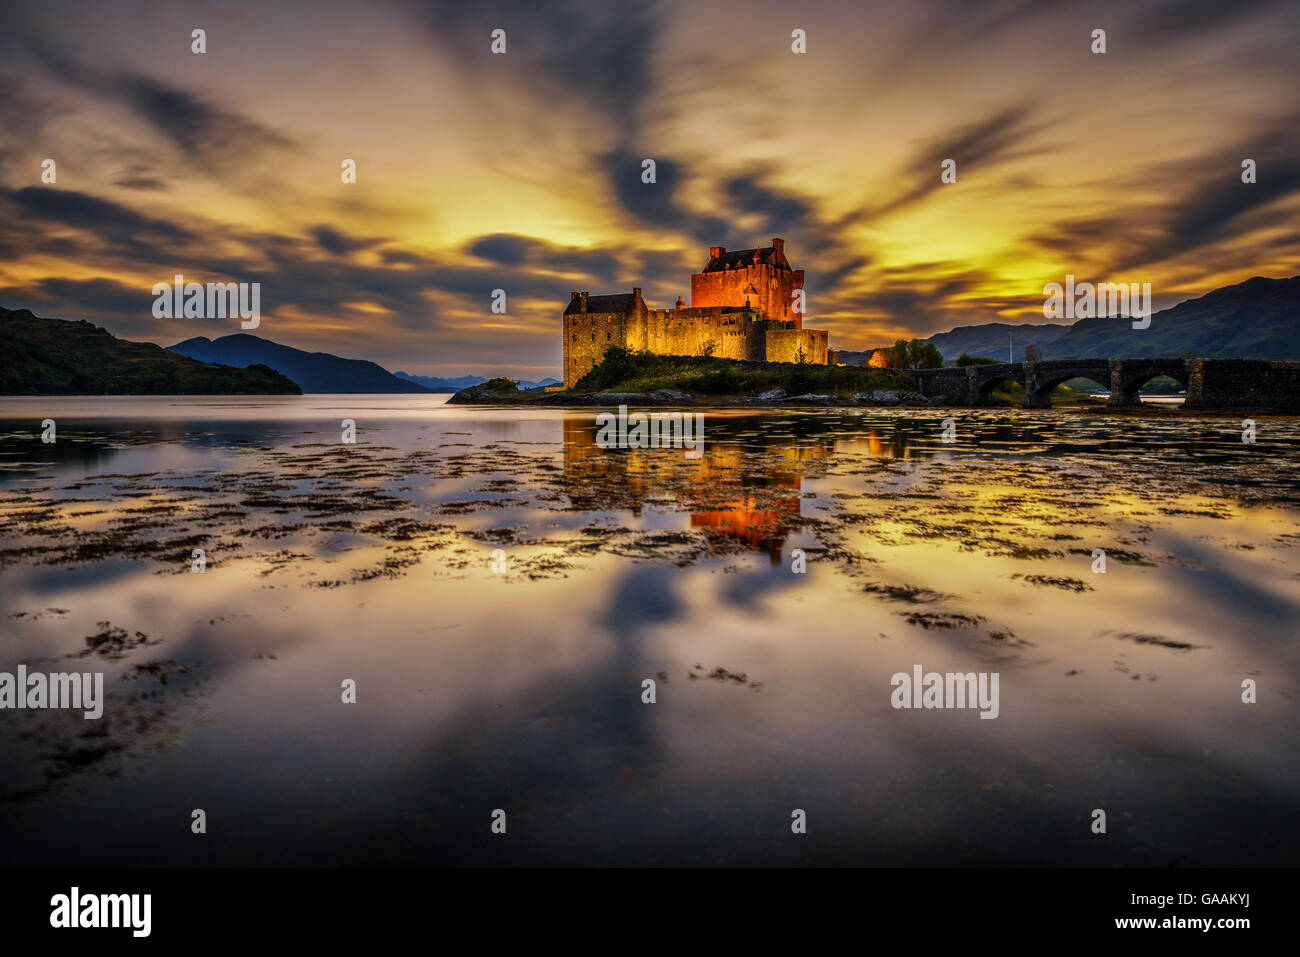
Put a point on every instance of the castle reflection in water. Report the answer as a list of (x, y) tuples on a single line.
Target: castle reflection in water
[(748, 486)]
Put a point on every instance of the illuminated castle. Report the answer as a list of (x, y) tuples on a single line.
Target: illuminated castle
[(743, 306)]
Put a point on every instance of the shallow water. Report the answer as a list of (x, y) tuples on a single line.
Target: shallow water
[(521, 689)]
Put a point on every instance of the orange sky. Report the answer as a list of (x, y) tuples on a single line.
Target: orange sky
[(522, 171)]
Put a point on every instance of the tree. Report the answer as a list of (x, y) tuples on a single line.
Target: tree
[(965, 360), (900, 356), (926, 355), (1033, 353), (915, 355)]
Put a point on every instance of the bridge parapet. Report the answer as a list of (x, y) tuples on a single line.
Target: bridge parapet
[(1209, 383)]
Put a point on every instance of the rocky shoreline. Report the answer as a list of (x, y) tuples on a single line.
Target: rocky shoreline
[(476, 395), (776, 398)]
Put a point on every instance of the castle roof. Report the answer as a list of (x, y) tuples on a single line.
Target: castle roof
[(736, 258), (618, 303)]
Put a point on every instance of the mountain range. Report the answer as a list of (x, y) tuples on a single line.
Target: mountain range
[(435, 384), (313, 371), (322, 371), (1255, 319), (40, 356)]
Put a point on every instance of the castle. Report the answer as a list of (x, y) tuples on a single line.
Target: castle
[(743, 306)]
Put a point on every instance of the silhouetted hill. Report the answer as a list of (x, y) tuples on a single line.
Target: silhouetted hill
[(992, 339), (41, 356), (989, 339), (313, 371), (1255, 319)]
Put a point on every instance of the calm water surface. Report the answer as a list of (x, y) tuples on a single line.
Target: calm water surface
[(521, 690)]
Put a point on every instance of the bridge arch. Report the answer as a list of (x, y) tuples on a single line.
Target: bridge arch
[(989, 377), (1042, 377), (1128, 376)]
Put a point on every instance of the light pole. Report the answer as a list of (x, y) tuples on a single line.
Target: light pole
[(1011, 356)]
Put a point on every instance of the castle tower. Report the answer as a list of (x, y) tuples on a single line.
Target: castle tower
[(762, 277)]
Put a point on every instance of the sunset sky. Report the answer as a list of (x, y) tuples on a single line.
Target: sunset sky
[(522, 171)]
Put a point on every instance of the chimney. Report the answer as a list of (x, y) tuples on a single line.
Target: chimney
[(681, 303), (636, 295), (584, 302), (779, 246), (716, 251)]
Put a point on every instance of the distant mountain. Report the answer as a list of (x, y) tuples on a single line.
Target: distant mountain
[(994, 338), (313, 371), (41, 356), (436, 384), (455, 384), (990, 339), (1255, 319), (527, 384)]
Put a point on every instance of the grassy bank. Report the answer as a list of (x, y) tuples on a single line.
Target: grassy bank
[(623, 371)]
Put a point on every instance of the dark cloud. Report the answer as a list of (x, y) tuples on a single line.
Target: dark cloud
[(206, 133), (747, 195), (146, 183), (102, 296), (781, 212), (111, 222), (339, 243), (504, 249), (129, 309), (512, 250), (1206, 206), (590, 52), (1216, 206), (24, 115), (976, 147), (402, 257), (657, 204), (1180, 18)]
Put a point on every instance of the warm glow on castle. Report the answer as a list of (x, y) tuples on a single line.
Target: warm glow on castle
[(745, 304)]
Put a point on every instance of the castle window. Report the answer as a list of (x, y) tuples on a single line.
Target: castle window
[(609, 337), (593, 337)]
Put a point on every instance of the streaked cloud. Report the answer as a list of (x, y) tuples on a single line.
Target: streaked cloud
[(523, 171)]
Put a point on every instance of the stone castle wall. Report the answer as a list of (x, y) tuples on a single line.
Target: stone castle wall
[(696, 332), (588, 334), (783, 345)]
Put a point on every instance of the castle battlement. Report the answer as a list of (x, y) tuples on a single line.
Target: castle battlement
[(742, 307)]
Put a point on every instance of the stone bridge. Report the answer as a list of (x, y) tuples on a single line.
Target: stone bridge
[(1210, 383)]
